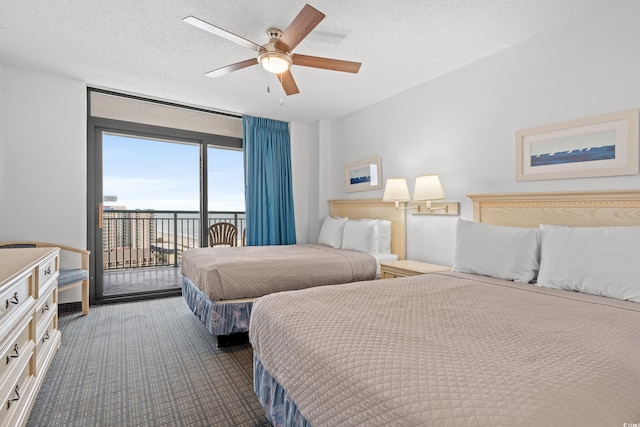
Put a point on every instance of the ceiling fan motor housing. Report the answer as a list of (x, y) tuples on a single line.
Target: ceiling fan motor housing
[(272, 58)]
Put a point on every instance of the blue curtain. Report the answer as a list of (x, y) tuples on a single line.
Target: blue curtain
[(268, 193)]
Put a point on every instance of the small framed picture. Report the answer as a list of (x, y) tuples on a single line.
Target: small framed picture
[(363, 175), (597, 146)]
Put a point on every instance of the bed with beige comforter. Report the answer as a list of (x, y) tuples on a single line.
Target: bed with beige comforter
[(225, 273), (220, 283), (443, 350)]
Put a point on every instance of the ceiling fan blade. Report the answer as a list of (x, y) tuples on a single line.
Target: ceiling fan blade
[(326, 63), (288, 83), (199, 23), (301, 25), (233, 67)]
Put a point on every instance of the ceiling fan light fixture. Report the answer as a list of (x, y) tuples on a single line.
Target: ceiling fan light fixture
[(275, 62)]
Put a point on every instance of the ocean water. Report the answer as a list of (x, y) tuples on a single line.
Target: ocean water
[(575, 156)]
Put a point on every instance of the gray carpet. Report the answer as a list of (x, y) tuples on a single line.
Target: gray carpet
[(146, 363)]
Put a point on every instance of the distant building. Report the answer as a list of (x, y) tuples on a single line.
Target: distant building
[(128, 258), (127, 238), (133, 229)]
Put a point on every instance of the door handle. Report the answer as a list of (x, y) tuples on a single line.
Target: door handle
[(100, 216)]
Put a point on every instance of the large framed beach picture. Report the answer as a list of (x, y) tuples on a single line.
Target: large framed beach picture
[(605, 145), (363, 175)]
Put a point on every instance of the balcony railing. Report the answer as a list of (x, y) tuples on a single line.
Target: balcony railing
[(151, 238)]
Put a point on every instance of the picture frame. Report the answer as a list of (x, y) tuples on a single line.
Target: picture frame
[(605, 145), (363, 175)]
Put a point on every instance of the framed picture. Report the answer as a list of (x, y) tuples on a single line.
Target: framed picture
[(597, 146), (363, 175)]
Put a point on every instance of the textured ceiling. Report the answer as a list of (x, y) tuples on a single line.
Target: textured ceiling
[(144, 48)]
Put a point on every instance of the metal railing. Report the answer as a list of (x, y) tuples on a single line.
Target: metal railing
[(151, 238)]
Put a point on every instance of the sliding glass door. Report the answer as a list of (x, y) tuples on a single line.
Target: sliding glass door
[(225, 184), (154, 194), (150, 212)]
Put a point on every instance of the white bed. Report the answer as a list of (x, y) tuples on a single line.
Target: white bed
[(220, 284), (468, 349)]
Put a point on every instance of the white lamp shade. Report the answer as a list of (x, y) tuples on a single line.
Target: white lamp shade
[(428, 187), (396, 190)]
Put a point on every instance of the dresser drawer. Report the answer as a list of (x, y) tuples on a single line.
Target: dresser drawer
[(47, 275), (17, 396), (17, 347), (47, 343), (16, 301), (45, 305)]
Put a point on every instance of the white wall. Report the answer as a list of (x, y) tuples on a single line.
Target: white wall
[(311, 183), (462, 124), (44, 176), (3, 158), (301, 149)]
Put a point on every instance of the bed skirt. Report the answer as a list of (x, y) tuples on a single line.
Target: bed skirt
[(220, 319), (278, 407)]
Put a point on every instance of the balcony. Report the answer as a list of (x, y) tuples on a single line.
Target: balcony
[(142, 249)]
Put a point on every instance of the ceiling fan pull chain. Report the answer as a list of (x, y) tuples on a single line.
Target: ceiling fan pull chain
[(281, 88)]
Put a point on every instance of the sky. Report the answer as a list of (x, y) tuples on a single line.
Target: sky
[(152, 174)]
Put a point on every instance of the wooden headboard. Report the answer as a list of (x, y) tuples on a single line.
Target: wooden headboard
[(375, 208), (579, 208)]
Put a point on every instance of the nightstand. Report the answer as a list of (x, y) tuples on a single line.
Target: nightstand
[(392, 269)]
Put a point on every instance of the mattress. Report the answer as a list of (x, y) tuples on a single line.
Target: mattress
[(224, 273), (449, 349), (380, 257)]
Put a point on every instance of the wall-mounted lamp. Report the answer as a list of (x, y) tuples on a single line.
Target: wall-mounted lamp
[(396, 190), (427, 188)]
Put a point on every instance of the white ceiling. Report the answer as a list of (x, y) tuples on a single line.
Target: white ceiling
[(143, 47)]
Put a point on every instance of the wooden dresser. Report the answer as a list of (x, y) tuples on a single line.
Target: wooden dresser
[(29, 335)]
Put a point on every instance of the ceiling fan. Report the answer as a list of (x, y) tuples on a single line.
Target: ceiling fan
[(275, 56)]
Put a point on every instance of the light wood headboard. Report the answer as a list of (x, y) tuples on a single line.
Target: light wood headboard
[(579, 208), (376, 208)]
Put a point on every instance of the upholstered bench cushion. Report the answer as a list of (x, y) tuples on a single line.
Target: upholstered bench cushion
[(68, 276)]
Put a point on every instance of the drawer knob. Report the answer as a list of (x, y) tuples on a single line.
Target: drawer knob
[(13, 300), (16, 353), (14, 399), (46, 307), (46, 336)]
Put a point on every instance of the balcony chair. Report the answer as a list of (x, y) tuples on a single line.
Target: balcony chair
[(68, 277), (223, 234)]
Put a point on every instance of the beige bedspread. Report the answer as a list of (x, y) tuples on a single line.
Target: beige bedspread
[(225, 273), (445, 349)]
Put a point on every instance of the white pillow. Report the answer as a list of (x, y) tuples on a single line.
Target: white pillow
[(384, 234), (332, 231), (509, 253), (593, 260), (361, 236)]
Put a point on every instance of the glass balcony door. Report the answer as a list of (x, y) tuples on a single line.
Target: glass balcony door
[(150, 213), (159, 174), (225, 188)]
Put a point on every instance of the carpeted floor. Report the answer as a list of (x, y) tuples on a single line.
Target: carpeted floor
[(146, 363)]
